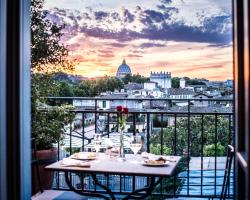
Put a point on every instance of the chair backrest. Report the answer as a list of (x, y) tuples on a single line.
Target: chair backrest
[(226, 179)]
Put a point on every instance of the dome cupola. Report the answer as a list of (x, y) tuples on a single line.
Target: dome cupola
[(123, 70)]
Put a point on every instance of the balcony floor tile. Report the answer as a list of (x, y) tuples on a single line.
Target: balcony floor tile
[(60, 195)]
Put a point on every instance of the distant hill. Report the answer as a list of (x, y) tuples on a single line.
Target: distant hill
[(70, 78)]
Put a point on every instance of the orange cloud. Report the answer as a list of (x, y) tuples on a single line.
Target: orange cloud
[(97, 58)]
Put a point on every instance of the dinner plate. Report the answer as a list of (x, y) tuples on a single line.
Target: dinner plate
[(155, 164), (83, 156)]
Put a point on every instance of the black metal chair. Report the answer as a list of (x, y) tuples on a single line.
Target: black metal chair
[(35, 162), (226, 179)]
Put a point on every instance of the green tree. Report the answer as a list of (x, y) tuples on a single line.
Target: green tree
[(195, 134), (49, 124), (84, 89), (94, 87), (48, 56), (194, 82), (195, 143), (48, 53), (136, 78), (65, 89), (175, 82)]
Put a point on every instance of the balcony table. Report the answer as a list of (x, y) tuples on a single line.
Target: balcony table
[(111, 166)]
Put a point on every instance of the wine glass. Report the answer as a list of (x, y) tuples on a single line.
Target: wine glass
[(135, 144), (97, 142)]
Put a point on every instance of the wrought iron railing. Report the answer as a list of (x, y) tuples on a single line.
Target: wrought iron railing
[(198, 133)]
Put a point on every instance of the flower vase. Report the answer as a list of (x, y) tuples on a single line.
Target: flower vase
[(122, 154)]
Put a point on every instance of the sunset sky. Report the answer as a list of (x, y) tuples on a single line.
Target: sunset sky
[(185, 37)]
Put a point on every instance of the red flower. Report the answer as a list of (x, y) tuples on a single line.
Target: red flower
[(125, 110), (119, 108)]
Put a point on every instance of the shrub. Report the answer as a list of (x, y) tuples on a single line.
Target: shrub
[(209, 150), (156, 149)]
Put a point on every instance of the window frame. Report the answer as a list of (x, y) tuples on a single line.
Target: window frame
[(15, 115)]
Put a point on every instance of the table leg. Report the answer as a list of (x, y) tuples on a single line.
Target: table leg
[(71, 187), (148, 190), (103, 186), (137, 194)]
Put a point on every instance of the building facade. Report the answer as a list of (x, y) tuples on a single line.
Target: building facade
[(201, 102), (163, 79), (182, 83), (149, 85)]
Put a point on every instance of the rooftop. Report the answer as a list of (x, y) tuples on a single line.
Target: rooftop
[(133, 86), (204, 94), (179, 91), (213, 108)]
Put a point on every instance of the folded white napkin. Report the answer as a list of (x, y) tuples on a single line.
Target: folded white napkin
[(151, 156), (67, 162)]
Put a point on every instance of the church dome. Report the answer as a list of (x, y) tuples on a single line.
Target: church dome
[(123, 70)]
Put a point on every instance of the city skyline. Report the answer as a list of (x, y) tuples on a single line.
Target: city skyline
[(184, 37)]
